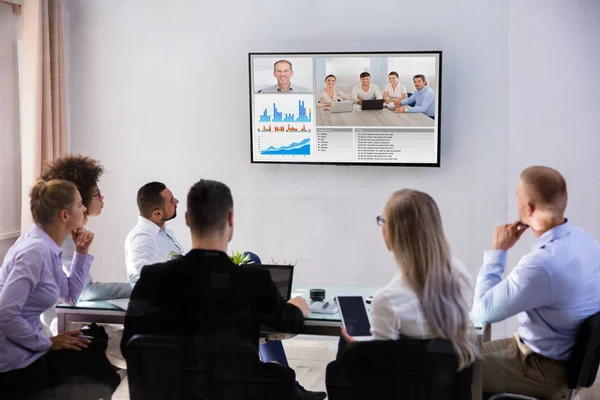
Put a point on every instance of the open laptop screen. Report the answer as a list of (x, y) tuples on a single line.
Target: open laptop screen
[(282, 275)]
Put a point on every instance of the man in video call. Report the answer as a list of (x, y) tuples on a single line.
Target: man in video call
[(421, 101), (366, 90), (283, 71), (204, 294)]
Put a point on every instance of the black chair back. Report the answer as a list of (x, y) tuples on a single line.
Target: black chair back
[(582, 366), (407, 369), (182, 368)]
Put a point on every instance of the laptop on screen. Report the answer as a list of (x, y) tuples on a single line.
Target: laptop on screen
[(282, 275), (372, 104), (341, 106)]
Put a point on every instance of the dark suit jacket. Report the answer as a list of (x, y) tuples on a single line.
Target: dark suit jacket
[(205, 293)]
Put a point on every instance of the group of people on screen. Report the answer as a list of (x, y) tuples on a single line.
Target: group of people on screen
[(201, 292), (394, 94)]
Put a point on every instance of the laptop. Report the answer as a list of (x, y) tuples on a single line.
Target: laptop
[(372, 104), (341, 106), (282, 275)]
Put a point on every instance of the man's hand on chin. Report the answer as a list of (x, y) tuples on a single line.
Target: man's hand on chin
[(507, 235)]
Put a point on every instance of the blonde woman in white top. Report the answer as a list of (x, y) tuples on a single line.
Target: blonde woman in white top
[(430, 295), (394, 91), (330, 94)]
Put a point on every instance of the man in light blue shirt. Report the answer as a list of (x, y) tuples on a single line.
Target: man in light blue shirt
[(552, 290), (421, 101)]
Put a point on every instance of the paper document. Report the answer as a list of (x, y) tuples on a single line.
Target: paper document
[(324, 307)]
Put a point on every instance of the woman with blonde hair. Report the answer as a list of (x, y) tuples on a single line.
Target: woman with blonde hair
[(32, 280), (430, 295)]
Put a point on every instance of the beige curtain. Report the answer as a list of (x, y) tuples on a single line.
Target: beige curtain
[(43, 113)]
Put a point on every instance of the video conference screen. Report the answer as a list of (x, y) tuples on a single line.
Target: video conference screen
[(346, 108)]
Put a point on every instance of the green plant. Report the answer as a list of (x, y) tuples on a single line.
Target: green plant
[(239, 258)]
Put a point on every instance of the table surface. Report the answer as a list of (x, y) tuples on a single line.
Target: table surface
[(370, 118), (329, 323), (297, 290)]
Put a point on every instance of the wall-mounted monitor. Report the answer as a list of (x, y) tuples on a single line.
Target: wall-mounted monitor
[(374, 108)]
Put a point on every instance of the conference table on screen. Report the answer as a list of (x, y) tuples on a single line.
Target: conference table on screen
[(315, 324), (371, 118)]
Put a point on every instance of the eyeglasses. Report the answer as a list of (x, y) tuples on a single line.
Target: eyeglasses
[(97, 194), (380, 220)]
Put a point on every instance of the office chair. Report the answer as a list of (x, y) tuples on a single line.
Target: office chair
[(582, 366), (182, 368), (407, 369)]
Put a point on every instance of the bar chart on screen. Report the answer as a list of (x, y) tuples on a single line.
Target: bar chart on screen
[(284, 128), (292, 111)]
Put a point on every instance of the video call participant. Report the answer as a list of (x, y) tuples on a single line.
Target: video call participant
[(283, 72), (366, 90), (421, 101), (246, 297), (85, 173), (31, 281), (552, 290), (330, 93), (150, 241), (394, 91)]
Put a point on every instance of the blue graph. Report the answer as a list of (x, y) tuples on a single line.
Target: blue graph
[(278, 116), (295, 149)]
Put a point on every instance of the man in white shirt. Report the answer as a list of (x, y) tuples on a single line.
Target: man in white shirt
[(283, 72), (365, 91), (150, 241)]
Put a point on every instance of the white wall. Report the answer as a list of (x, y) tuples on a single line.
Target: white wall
[(554, 106), (150, 88), (10, 169)]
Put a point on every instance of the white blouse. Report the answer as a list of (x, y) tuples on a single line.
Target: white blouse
[(396, 309), (395, 93), (323, 97)]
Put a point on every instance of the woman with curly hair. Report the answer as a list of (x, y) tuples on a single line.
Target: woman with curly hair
[(85, 173)]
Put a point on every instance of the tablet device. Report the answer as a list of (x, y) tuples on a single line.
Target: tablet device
[(354, 316)]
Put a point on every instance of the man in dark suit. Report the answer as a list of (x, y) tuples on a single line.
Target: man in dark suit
[(203, 293)]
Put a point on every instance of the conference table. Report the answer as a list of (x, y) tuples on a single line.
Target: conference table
[(367, 118), (105, 312)]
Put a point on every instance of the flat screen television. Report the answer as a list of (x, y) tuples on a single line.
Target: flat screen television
[(368, 108)]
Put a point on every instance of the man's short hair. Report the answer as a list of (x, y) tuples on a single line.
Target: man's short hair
[(420, 76), (545, 188), (83, 171), (149, 198), (208, 205), (280, 61), (364, 74), (394, 73)]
